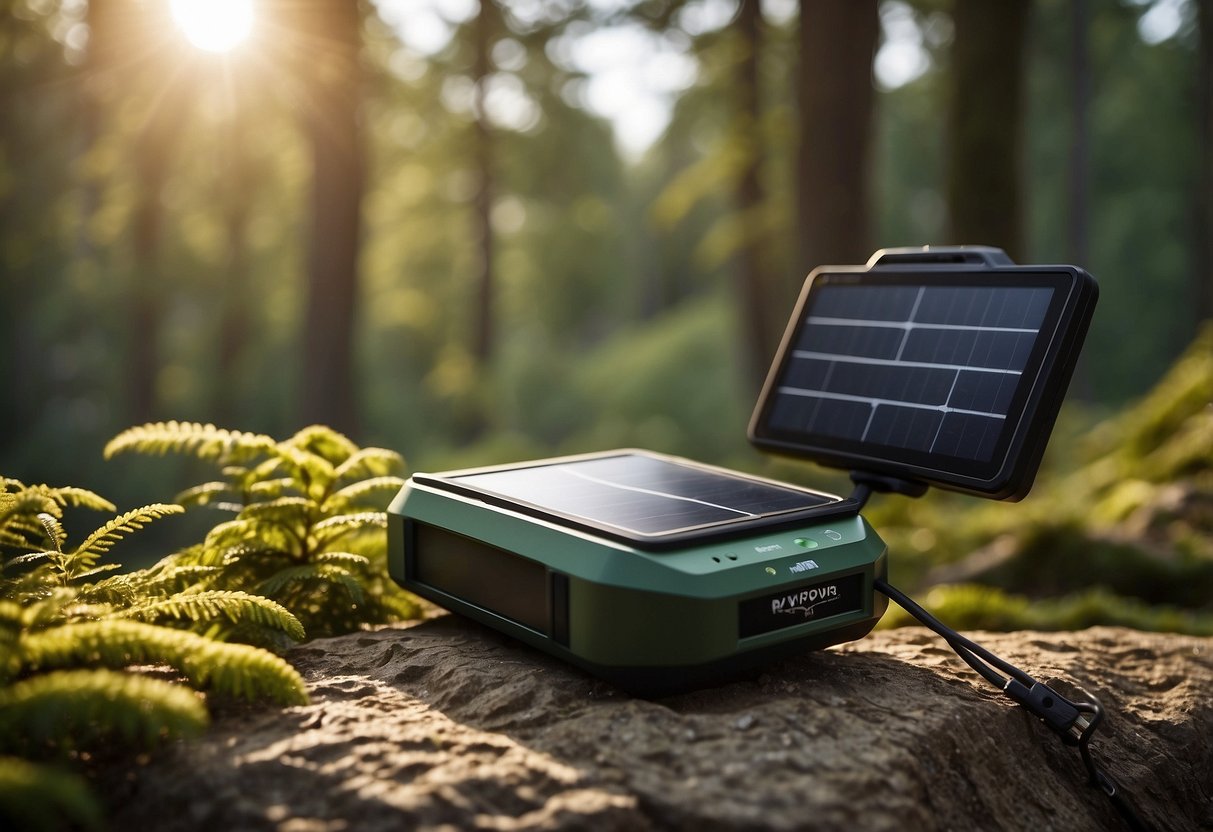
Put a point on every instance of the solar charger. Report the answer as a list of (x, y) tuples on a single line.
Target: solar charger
[(941, 367)]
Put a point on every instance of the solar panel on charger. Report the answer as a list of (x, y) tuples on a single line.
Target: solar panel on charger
[(642, 498), (950, 377)]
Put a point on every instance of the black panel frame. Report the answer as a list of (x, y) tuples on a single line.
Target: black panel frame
[(1009, 473)]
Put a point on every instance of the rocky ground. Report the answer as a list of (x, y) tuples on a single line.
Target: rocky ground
[(445, 725)]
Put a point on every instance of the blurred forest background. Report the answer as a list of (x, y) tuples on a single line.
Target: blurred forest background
[(483, 231)]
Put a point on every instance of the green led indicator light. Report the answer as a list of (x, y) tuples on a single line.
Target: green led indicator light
[(805, 543)]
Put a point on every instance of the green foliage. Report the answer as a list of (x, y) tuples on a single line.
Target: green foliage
[(237, 670), (236, 607), (1125, 535), (71, 643), (73, 709), (38, 796), (973, 606), (307, 531)]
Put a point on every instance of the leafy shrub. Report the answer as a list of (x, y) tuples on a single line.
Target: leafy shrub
[(68, 641), (307, 530)]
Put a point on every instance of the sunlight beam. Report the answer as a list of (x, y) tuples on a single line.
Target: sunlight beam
[(214, 25)]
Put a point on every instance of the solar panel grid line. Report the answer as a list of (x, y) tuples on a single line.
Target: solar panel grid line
[(906, 336), (582, 475), (845, 397), (889, 362), (907, 325), (951, 392)]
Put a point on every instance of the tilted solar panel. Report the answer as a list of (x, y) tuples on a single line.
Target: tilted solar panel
[(949, 377)]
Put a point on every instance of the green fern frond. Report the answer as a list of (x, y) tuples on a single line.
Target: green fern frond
[(276, 584), (35, 797), (100, 541), (353, 587), (234, 473), (82, 708), (116, 591), (272, 489), (282, 461), (314, 471), (12, 539), (236, 607), (54, 530), (95, 571), (27, 504), (47, 608), (334, 528), (22, 532), (349, 560), (10, 613), (231, 669), (10, 630), (288, 511), (147, 583), (197, 555), (252, 673), (369, 462), (335, 448), (71, 496), (203, 495), (242, 537), (30, 557), (191, 438), (382, 487)]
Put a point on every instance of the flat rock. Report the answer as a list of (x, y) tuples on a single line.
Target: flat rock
[(443, 724)]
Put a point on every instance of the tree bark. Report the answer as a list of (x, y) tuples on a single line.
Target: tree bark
[(753, 287), (837, 42), (1204, 200), (1080, 134), (332, 80), (483, 326), (985, 121)]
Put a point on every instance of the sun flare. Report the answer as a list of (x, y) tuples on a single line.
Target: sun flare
[(214, 25)]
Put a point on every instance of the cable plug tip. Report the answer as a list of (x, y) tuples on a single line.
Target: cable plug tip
[(1048, 705)]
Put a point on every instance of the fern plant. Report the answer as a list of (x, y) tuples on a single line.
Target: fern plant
[(308, 522), (69, 639)]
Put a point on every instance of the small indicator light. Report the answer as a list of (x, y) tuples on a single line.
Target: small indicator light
[(771, 570), (806, 543)]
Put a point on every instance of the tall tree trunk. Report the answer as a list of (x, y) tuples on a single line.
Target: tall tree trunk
[(237, 187), (752, 279), (1078, 221), (1204, 230), (98, 61), (483, 328), (837, 42), (985, 121), (332, 80), (153, 155)]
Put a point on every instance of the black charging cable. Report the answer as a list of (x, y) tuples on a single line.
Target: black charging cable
[(1074, 722)]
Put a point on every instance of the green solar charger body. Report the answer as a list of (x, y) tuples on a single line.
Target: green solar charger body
[(649, 619), (927, 366)]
